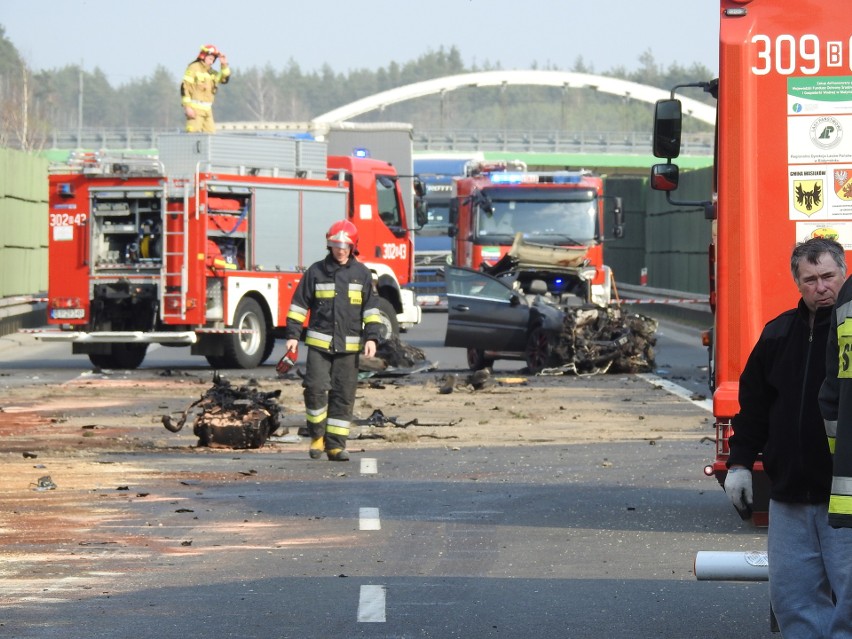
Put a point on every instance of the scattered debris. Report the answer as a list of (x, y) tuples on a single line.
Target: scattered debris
[(477, 380), (231, 417), (45, 483), (395, 358), (383, 427)]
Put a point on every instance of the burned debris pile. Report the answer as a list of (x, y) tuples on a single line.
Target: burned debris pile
[(231, 417), (605, 339)]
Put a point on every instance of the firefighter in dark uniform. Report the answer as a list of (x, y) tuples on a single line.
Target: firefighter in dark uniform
[(337, 291)]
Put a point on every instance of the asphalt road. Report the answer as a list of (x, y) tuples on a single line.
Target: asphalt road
[(580, 541)]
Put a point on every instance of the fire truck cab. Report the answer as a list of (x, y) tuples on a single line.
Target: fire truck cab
[(495, 201)]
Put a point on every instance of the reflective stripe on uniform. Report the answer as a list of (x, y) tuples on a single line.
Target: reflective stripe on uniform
[(297, 313), (353, 344), (356, 293), (320, 340), (324, 291), (844, 340), (337, 427), (840, 502), (840, 505), (316, 415), (841, 486), (372, 315), (831, 433)]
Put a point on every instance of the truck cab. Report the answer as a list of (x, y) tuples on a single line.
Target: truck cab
[(498, 201)]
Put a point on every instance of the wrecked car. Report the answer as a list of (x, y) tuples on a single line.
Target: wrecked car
[(535, 305)]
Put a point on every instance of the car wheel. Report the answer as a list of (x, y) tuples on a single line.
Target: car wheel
[(540, 353), (476, 360)]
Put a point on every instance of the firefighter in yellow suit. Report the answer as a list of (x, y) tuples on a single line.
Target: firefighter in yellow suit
[(199, 86)]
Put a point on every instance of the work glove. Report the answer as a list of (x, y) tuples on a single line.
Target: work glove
[(739, 489)]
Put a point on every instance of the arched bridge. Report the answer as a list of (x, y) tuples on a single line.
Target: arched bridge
[(564, 79)]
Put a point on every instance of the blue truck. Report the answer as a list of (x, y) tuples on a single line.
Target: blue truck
[(432, 242)]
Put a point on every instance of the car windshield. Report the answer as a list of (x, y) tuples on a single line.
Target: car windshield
[(539, 218)]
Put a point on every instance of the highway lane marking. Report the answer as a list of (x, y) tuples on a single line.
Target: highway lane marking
[(369, 519), (369, 466), (371, 604), (680, 391)]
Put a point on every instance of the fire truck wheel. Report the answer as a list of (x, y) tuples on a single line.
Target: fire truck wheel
[(389, 320), (99, 360), (244, 350), (267, 350), (216, 361), (540, 351), (124, 356), (476, 360)]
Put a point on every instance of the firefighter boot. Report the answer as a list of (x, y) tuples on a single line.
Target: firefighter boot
[(337, 454), (317, 447)]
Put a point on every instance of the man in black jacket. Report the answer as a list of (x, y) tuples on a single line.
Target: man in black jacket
[(780, 418), (338, 293)]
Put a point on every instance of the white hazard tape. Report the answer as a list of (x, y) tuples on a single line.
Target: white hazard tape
[(665, 300)]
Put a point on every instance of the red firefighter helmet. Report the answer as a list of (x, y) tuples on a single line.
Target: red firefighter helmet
[(342, 234), (208, 49)]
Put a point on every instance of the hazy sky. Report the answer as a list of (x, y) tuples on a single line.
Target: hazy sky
[(127, 39)]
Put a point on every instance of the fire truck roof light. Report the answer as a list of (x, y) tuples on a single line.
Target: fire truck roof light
[(567, 178), (512, 177), (361, 152)]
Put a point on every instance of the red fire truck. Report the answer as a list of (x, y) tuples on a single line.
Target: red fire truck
[(497, 200), (782, 175), (204, 245)]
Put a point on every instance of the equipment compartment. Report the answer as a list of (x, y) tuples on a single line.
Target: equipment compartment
[(126, 229)]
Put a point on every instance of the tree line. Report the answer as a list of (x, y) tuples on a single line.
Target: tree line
[(35, 103)]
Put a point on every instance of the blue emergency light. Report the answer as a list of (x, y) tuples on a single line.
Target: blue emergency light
[(508, 177), (564, 177), (360, 152)]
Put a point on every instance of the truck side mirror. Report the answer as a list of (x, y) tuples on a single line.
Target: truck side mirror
[(618, 219), (665, 177), (421, 212), (454, 218), (668, 121), (419, 188)]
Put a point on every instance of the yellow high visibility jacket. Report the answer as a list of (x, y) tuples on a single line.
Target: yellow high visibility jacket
[(835, 400), (200, 84)]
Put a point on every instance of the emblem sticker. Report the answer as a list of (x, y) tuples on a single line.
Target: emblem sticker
[(808, 196), (826, 132), (843, 184)]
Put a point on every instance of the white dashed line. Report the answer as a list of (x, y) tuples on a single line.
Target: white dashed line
[(369, 519), (371, 604), (680, 391)]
